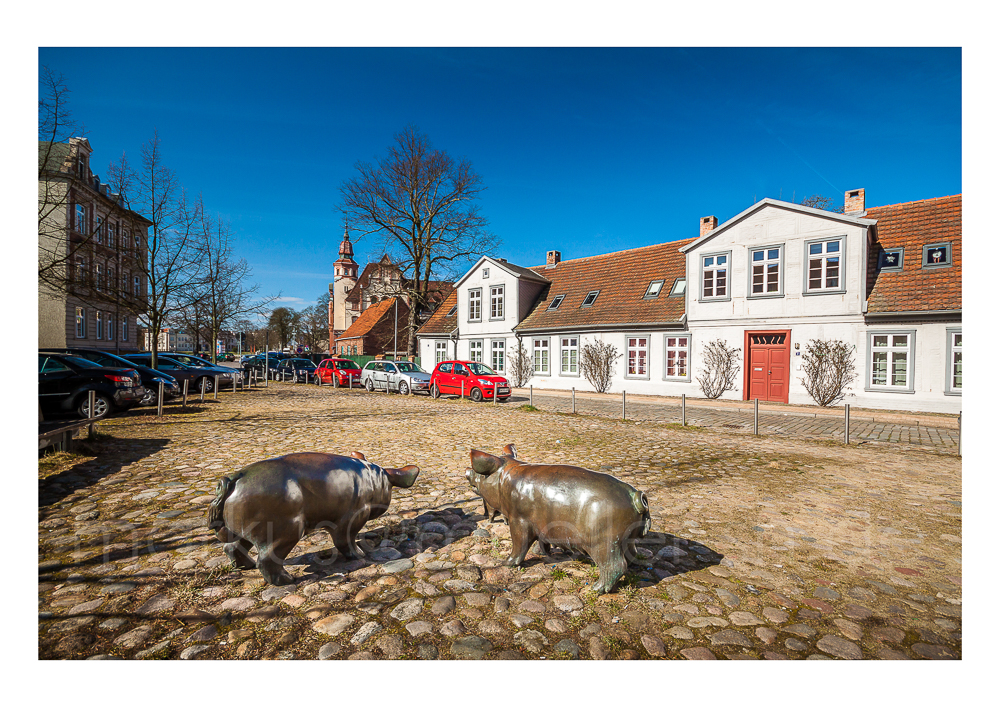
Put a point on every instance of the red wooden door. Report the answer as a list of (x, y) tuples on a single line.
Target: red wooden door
[(767, 365)]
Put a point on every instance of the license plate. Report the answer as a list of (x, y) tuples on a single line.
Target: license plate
[(503, 390)]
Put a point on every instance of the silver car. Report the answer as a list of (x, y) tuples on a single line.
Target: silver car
[(400, 376)]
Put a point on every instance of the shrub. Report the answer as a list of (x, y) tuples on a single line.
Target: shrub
[(597, 363), (721, 366), (829, 370), (519, 365)]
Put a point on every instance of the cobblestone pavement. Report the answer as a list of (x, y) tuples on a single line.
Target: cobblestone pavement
[(937, 432), (761, 547)]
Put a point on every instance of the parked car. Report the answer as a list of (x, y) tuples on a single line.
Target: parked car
[(401, 376), (472, 378), (149, 378), (228, 356), (346, 371), (198, 375), (189, 360), (65, 382), (297, 370)]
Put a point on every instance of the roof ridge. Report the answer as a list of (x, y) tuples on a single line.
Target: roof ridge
[(617, 252), (916, 201)]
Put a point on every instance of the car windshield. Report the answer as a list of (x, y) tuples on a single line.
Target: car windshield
[(407, 367), (348, 366), (480, 369), (193, 361), (170, 363), (85, 363), (301, 362)]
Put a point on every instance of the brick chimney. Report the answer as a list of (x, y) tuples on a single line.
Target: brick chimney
[(708, 224), (854, 201), (552, 258)]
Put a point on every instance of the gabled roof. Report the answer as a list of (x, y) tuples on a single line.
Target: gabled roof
[(622, 279), (372, 316), (439, 323), (786, 205), (911, 226), (515, 270)]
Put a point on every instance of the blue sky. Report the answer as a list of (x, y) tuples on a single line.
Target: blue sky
[(583, 150)]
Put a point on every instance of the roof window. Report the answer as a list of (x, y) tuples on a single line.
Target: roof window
[(452, 311), (590, 298), (653, 290), (556, 301), (680, 286), (936, 255)]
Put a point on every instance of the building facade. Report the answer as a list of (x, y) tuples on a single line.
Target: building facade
[(92, 255), (767, 282)]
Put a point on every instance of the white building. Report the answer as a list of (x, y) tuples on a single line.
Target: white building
[(887, 281)]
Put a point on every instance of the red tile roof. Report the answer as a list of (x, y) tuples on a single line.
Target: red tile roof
[(911, 226), (622, 279), (370, 317), (440, 323)]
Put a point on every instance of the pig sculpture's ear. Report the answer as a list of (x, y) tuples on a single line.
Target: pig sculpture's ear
[(403, 478), (358, 455), (510, 451), (485, 464)]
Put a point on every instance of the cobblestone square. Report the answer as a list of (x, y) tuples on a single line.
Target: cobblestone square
[(761, 547)]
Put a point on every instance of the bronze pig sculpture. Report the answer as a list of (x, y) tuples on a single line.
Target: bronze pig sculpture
[(270, 505), (567, 506)]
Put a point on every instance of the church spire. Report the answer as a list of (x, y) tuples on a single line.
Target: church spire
[(346, 249)]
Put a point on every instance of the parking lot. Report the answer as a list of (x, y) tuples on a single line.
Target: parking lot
[(761, 547)]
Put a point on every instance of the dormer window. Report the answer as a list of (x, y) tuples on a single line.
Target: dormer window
[(653, 290), (937, 255), (590, 298), (890, 260), (556, 301)]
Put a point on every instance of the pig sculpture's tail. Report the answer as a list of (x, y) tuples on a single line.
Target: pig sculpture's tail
[(227, 484)]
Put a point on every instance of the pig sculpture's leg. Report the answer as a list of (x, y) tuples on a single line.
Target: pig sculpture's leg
[(521, 537), (345, 535), (612, 565), (270, 557), (239, 553)]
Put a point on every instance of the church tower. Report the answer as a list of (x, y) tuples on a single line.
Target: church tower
[(345, 275)]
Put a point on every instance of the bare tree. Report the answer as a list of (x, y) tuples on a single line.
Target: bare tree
[(597, 364), (283, 323), (421, 202), (829, 370), (822, 202), (721, 366), (313, 328), (519, 365)]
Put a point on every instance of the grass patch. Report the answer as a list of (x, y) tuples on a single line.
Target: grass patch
[(528, 408)]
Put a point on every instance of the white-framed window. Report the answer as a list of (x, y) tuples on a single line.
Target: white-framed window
[(475, 305), (81, 323), (953, 385), (80, 222), (110, 327), (715, 276), (100, 325), (765, 271), (496, 302), (653, 290), (486, 273), (497, 358), (440, 351), (540, 355), (569, 355), (890, 361), (677, 350), (824, 265), (476, 351), (124, 329), (637, 357)]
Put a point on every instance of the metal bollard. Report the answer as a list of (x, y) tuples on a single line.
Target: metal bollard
[(234, 381), (684, 411), (847, 423), (91, 401), (202, 386), (623, 404), (959, 433), (185, 403), (159, 400), (755, 414), (574, 400), (531, 395), (463, 390), (215, 389)]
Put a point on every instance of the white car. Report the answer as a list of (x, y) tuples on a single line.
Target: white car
[(400, 376)]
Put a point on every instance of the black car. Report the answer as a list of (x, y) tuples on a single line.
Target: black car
[(65, 382), (196, 376), (297, 370), (150, 378), (207, 368)]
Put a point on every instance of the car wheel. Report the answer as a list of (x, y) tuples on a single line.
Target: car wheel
[(476, 395), (369, 386), (204, 381), (102, 405), (150, 397), (402, 388), (435, 391)]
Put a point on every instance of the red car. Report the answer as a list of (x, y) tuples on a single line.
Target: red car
[(348, 373), (477, 380)]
